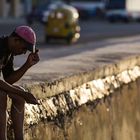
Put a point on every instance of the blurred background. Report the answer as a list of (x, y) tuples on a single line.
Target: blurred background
[(97, 19), (86, 8), (72, 28), (19, 8)]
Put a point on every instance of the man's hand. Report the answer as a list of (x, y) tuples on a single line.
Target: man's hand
[(32, 59), (29, 98)]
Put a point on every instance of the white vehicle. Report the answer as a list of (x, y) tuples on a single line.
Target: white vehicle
[(129, 10)]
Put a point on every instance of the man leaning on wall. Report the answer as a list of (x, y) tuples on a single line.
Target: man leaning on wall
[(21, 40)]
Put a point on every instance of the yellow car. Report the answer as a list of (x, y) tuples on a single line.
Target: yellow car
[(63, 24)]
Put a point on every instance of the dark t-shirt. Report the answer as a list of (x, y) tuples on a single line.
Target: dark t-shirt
[(6, 58)]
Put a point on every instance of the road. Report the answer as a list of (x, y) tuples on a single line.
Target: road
[(90, 30), (96, 30)]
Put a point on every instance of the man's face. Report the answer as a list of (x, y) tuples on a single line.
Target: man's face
[(20, 47)]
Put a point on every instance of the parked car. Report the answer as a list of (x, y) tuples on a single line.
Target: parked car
[(40, 13), (122, 15), (118, 15), (89, 9)]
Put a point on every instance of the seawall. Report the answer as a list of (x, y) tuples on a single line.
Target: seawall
[(98, 104)]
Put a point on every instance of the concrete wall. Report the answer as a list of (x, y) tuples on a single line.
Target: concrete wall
[(100, 104), (116, 117)]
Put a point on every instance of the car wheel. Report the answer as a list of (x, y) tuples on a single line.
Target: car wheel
[(47, 39), (112, 20), (126, 20), (69, 38)]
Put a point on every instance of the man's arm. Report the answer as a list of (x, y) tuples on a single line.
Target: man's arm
[(32, 59), (17, 74), (9, 89)]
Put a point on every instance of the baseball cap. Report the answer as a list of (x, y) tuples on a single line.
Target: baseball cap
[(28, 35)]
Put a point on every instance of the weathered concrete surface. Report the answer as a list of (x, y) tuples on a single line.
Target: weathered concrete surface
[(116, 117), (48, 89), (55, 107), (58, 111)]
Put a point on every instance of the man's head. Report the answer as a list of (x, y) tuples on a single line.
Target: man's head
[(23, 39)]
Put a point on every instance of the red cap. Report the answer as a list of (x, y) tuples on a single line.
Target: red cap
[(27, 33)]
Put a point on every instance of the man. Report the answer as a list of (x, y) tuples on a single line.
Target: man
[(22, 39)]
